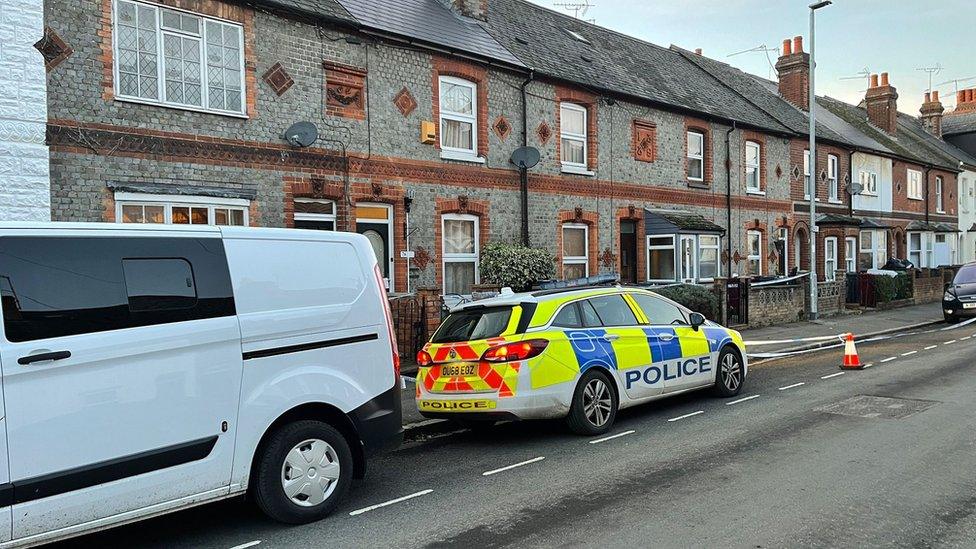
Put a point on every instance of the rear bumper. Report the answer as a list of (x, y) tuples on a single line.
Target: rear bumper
[(379, 422), (550, 402)]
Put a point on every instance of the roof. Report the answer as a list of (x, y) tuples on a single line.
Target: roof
[(659, 222), (871, 223), (316, 9), (836, 219), (951, 153), (428, 21), (934, 227), (954, 124), (612, 61)]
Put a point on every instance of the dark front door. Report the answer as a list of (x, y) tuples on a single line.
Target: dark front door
[(628, 251)]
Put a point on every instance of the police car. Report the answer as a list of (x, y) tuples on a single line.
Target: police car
[(579, 354)]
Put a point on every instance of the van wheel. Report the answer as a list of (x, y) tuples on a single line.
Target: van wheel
[(303, 473), (729, 378), (594, 405)]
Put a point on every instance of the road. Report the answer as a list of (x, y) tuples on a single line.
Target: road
[(809, 461)]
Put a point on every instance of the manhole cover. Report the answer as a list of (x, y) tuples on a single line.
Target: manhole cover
[(877, 407)]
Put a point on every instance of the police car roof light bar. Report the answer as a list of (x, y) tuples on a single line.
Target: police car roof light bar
[(597, 280)]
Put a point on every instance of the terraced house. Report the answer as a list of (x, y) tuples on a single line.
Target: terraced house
[(656, 163)]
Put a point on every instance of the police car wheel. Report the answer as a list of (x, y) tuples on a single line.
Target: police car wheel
[(302, 473), (729, 377), (594, 405)]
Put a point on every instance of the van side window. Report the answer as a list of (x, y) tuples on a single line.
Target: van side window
[(659, 311), (568, 317), (613, 310), (62, 286)]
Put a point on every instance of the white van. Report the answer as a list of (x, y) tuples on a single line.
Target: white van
[(146, 369)]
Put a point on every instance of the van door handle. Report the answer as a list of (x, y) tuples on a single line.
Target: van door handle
[(611, 337), (41, 357)]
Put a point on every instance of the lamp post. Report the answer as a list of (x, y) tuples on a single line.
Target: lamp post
[(813, 159)]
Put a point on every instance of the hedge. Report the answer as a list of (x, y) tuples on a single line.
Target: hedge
[(697, 298)]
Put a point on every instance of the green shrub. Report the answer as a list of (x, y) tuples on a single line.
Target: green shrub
[(885, 288), (517, 267), (903, 286), (700, 299)]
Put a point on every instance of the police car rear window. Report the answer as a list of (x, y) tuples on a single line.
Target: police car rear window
[(473, 324)]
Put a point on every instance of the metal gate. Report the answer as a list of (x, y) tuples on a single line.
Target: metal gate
[(737, 294), (410, 325), (866, 286)]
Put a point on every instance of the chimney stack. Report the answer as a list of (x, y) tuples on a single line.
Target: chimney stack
[(932, 113), (965, 101), (882, 104), (476, 9), (698, 51), (793, 68)]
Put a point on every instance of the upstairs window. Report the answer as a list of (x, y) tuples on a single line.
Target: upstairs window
[(869, 183), (572, 133), (696, 156), (174, 58), (458, 113), (753, 155), (915, 185), (939, 203), (806, 175), (832, 186)]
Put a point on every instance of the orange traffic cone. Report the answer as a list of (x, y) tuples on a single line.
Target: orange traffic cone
[(851, 360)]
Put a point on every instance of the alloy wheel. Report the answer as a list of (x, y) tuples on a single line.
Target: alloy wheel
[(597, 402), (731, 372)]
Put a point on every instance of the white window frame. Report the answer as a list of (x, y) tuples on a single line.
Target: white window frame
[(833, 187), (674, 255), (718, 260), (161, 61), (850, 254), (460, 257), (753, 168), (879, 245), (458, 153), (830, 260), (695, 157), (302, 216), (750, 257), (939, 194), (919, 250), (914, 185), (168, 201), (574, 167), (784, 235), (576, 260), (806, 175), (869, 183)]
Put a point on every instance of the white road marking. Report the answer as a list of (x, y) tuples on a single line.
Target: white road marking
[(930, 347), (791, 386), (391, 502), (866, 366), (741, 400), (950, 342), (248, 544), (832, 375), (964, 338), (687, 415), (889, 359), (514, 465), (611, 437), (909, 353)]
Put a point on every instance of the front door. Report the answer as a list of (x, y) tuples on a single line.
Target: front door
[(628, 251), (688, 259), (375, 222), (121, 363)]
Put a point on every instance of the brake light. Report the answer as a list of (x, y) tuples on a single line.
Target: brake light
[(520, 350), (389, 323), (424, 359)]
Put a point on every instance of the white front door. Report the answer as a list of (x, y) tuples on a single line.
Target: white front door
[(121, 364), (689, 258)]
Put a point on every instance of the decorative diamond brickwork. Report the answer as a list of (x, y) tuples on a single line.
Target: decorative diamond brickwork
[(644, 141), (502, 128), (405, 102), (278, 78), (52, 48), (544, 132)]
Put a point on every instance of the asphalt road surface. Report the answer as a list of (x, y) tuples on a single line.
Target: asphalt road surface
[(804, 457)]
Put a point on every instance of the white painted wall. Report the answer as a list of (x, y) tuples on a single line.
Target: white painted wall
[(967, 216), (25, 187), (865, 204)]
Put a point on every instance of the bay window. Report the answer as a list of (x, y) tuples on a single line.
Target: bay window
[(180, 210), (458, 116), (661, 258), (575, 251), (708, 267), (460, 252), (874, 249), (572, 134)]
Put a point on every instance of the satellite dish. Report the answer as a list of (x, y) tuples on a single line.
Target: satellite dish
[(301, 134), (855, 187), (525, 157)]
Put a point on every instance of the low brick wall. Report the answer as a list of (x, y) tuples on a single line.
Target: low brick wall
[(769, 305), (930, 283), (832, 296)]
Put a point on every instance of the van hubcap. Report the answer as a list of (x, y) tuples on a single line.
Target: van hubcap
[(731, 372), (310, 472), (597, 402)]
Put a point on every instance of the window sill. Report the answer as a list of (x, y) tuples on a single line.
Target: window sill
[(940, 211), (835, 201), (577, 170), (699, 184), (188, 108), (755, 192), (462, 157), (918, 199)]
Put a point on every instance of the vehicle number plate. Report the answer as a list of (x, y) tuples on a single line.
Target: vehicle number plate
[(969, 305), (458, 370)]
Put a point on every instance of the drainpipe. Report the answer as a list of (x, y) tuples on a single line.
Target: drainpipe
[(850, 171), (524, 172), (927, 170), (728, 197)]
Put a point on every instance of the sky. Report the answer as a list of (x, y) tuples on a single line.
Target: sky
[(894, 36)]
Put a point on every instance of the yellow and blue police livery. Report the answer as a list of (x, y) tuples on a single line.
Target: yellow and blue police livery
[(579, 354)]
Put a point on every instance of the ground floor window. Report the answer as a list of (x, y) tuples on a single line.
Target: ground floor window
[(460, 252), (575, 251), (874, 249), (920, 249), (783, 252), (180, 210), (683, 257), (311, 213), (754, 258), (708, 267), (660, 259), (830, 258), (850, 254)]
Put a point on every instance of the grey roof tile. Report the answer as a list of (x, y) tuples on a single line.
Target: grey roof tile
[(963, 122), (329, 9)]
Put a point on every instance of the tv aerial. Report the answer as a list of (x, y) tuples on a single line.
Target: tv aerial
[(579, 9), (301, 134), (935, 69), (864, 73), (765, 50)]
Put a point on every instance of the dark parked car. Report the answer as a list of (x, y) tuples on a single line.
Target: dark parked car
[(959, 300)]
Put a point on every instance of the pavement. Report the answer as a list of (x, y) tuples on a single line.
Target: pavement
[(805, 456)]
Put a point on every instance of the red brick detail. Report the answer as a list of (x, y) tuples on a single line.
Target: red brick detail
[(759, 138), (459, 205), (544, 132), (592, 221), (798, 148), (108, 205), (405, 102), (445, 66), (589, 102), (965, 101), (345, 90), (794, 79), (882, 105), (702, 127), (502, 127), (643, 143), (278, 78), (52, 48), (634, 214)]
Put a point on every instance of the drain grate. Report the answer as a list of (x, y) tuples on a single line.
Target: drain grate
[(877, 407)]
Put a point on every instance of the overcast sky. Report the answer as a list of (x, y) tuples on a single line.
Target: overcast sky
[(880, 35)]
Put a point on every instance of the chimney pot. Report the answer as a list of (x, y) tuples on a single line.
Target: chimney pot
[(935, 95), (969, 95), (928, 97), (787, 49), (961, 96), (884, 79), (797, 44), (874, 81)]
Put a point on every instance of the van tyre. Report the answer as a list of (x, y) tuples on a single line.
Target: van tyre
[(594, 406), (730, 374), (303, 472)]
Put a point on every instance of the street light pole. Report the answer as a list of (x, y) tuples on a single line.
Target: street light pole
[(813, 160)]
